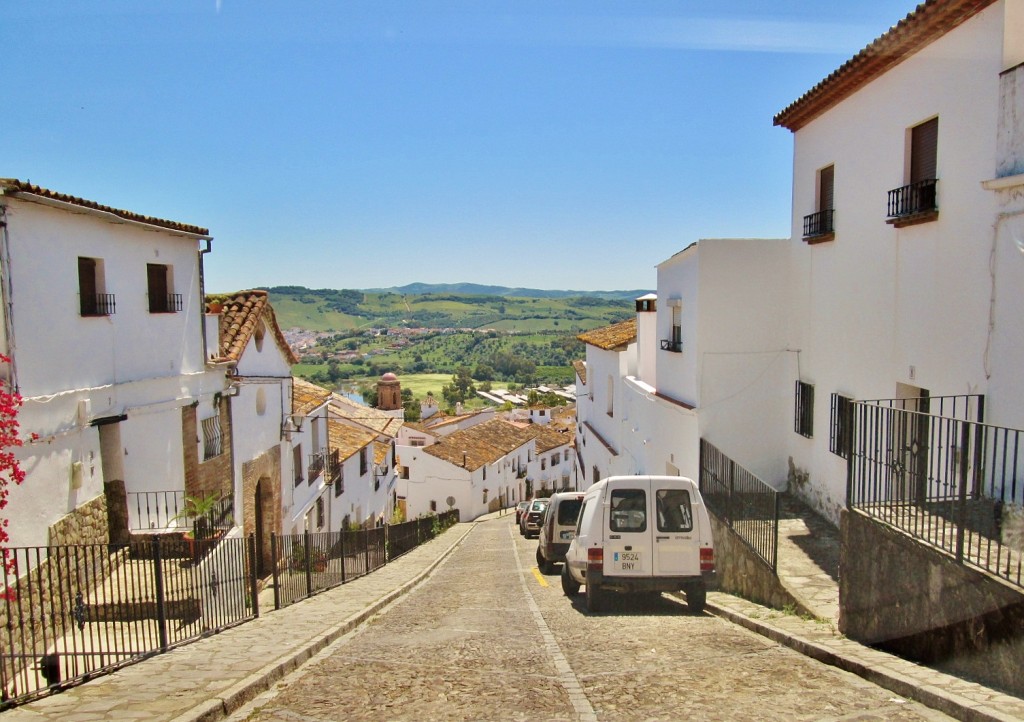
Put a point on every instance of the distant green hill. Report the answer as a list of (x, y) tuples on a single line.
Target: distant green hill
[(450, 306)]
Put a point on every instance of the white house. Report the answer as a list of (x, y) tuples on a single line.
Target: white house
[(306, 499), (103, 319), (355, 488), (900, 283), (475, 470), (259, 360), (553, 464)]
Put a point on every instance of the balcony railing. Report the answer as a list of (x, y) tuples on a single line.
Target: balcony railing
[(170, 303), (910, 200), (163, 510), (98, 304), (927, 467), (819, 224), (668, 344), (317, 464), (334, 472)]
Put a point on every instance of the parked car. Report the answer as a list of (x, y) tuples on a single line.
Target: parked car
[(520, 508), (558, 529), (640, 534), (532, 517)]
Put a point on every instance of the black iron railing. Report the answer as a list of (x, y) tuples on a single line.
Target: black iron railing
[(317, 465), (668, 344), (305, 564), (909, 200), (167, 511), (79, 611), (99, 304), (819, 224), (931, 468), (169, 303), (749, 506)]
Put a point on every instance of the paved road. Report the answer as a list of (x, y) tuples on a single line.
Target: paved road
[(487, 637)]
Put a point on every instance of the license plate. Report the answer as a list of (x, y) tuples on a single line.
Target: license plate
[(567, 535), (626, 561)]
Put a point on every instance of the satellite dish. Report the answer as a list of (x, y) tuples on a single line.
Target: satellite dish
[(451, 501)]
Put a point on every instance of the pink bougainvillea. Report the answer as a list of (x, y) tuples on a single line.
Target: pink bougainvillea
[(10, 469)]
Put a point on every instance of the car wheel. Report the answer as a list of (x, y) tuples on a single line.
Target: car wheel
[(570, 587), (696, 597), (543, 564), (596, 598)]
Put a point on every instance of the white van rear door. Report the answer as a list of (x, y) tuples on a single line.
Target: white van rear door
[(628, 526), (676, 530)]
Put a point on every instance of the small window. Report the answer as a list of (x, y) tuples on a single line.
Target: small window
[(160, 286), (916, 201), (555, 459), (339, 480), (804, 410), (818, 226), (93, 299), (363, 464), (840, 438), (568, 511), (320, 512), (674, 511), (212, 439), (433, 504), (629, 510), (417, 442), (543, 464), (297, 463)]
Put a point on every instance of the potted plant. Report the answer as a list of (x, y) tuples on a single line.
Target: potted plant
[(199, 509)]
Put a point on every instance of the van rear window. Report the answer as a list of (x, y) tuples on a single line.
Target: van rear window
[(674, 512), (569, 511), (629, 510)]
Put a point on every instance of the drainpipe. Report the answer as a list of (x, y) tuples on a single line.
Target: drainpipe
[(6, 295), (202, 297)]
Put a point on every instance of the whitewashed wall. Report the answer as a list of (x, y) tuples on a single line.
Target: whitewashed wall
[(878, 305)]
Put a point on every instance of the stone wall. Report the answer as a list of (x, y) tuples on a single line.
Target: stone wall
[(85, 525), (266, 466), (743, 573), (907, 598)]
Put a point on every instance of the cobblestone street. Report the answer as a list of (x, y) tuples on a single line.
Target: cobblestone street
[(488, 637)]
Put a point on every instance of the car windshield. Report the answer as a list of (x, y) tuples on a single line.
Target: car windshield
[(539, 505)]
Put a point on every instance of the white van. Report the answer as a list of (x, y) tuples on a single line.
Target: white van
[(641, 534), (557, 529)]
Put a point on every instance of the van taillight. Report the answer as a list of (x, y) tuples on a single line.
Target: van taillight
[(707, 559), (595, 557)]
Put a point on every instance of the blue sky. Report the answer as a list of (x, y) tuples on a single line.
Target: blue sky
[(339, 144)]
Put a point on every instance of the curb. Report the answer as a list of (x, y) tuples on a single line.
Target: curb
[(939, 699), (239, 694)]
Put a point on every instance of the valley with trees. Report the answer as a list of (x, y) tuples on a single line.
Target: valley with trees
[(445, 343)]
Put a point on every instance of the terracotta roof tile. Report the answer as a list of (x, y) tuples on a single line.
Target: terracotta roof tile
[(362, 415), (240, 316), (15, 187), (307, 396), (479, 445), (611, 338), (581, 370), (348, 440), (549, 438), (928, 22), (381, 452)]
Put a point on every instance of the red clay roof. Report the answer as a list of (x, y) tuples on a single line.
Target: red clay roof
[(479, 445), (241, 314), (15, 187), (611, 338), (928, 22), (307, 396)]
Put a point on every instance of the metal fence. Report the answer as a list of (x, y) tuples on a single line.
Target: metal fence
[(305, 564), (79, 611), (948, 480), (749, 506), (76, 612)]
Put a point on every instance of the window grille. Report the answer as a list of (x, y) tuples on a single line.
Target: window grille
[(213, 442), (804, 410), (839, 426)]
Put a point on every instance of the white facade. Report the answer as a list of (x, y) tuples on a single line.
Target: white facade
[(885, 308), (105, 363)]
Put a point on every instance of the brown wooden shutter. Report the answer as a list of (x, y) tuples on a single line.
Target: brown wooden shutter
[(87, 285), (924, 143), (826, 188), (157, 277)]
